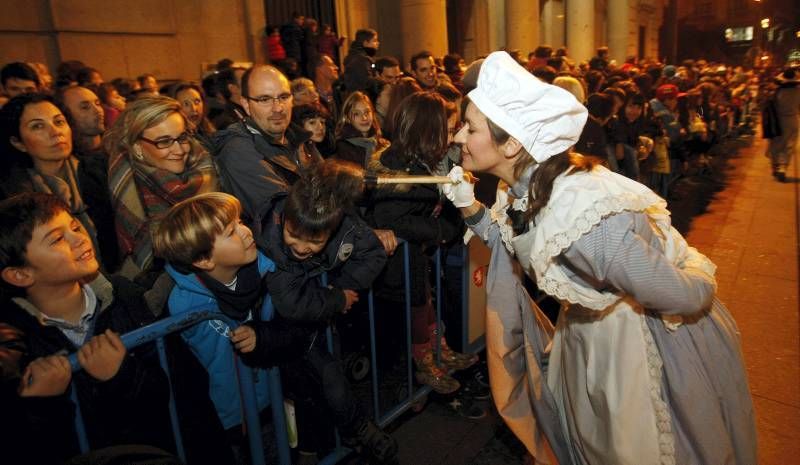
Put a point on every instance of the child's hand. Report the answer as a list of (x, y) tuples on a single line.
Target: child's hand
[(244, 339), (350, 297), (102, 356), (46, 376), (388, 239)]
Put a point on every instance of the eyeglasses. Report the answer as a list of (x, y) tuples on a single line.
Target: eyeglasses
[(267, 100), (166, 142)]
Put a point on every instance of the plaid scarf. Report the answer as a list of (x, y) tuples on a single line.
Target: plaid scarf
[(65, 186), (141, 194)]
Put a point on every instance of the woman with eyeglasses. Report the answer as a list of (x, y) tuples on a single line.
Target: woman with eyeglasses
[(154, 163), (37, 153)]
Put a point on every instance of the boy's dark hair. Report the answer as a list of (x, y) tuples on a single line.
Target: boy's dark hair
[(317, 201), (228, 76), (423, 54), (600, 105), (301, 113), (385, 62), (19, 216), (19, 70)]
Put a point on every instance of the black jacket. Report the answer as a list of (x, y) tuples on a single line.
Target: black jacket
[(417, 214), (352, 259), (130, 408), (255, 169), (359, 69), (353, 147)]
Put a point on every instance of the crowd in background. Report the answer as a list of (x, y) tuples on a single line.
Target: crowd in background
[(121, 156)]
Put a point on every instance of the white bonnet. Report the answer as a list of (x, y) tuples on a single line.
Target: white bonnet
[(545, 119)]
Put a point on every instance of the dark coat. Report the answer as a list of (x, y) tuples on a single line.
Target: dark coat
[(359, 69), (417, 214), (292, 39), (352, 259), (130, 408), (256, 169), (353, 147), (93, 184)]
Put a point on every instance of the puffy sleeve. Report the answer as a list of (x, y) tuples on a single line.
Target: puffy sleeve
[(615, 255)]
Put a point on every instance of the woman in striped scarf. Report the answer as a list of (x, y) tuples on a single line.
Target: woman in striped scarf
[(154, 163)]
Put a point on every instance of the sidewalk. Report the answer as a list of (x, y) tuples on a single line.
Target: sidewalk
[(751, 232)]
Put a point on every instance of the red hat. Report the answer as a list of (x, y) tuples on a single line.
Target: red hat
[(666, 91)]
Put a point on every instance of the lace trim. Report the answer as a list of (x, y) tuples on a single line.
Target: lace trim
[(565, 290), (666, 440), (558, 242), (506, 232)]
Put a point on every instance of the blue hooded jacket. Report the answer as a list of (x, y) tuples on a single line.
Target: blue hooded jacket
[(210, 343)]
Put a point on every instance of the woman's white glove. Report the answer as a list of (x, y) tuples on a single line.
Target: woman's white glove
[(461, 192)]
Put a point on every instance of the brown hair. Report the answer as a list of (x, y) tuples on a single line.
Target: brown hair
[(349, 105), (404, 87), (420, 128), (187, 232), (541, 183)]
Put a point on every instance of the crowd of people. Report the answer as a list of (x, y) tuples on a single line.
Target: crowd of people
[(126, 201)]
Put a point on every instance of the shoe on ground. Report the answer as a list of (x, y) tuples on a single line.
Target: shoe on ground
[(476, 390), (467, 408), (378, 447), (429, 373)]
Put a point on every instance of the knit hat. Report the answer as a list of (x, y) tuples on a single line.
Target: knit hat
[(669, 71), (545, 119)]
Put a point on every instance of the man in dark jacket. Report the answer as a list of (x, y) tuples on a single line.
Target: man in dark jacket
[(292, 37), (359, 64), (263, 155)]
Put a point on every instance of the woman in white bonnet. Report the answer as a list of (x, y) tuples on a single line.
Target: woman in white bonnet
[(644, 365)]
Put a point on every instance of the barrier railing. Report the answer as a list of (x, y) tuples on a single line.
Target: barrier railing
[(160, 329)]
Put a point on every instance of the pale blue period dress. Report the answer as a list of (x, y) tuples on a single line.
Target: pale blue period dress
[(644, 365)]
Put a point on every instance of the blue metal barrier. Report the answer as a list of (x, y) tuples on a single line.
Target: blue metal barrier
[(157, 331)]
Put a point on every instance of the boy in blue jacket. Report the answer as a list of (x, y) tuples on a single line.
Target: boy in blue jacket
[(214, 261)]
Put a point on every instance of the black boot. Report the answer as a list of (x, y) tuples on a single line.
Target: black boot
[(376, 446)]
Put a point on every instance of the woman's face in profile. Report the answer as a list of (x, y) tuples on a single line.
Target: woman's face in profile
[(478, 152)]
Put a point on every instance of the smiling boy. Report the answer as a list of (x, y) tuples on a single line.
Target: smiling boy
[(58, 303)]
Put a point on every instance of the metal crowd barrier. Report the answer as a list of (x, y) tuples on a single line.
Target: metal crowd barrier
[(158, 330)]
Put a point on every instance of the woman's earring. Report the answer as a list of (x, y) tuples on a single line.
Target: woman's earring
[(137, 153)]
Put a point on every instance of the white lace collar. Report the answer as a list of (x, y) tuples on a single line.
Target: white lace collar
[(577, 203)]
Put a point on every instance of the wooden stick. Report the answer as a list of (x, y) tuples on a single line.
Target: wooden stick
[(422, 179)]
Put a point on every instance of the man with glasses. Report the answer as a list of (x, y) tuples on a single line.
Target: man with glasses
[(261, 156)]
